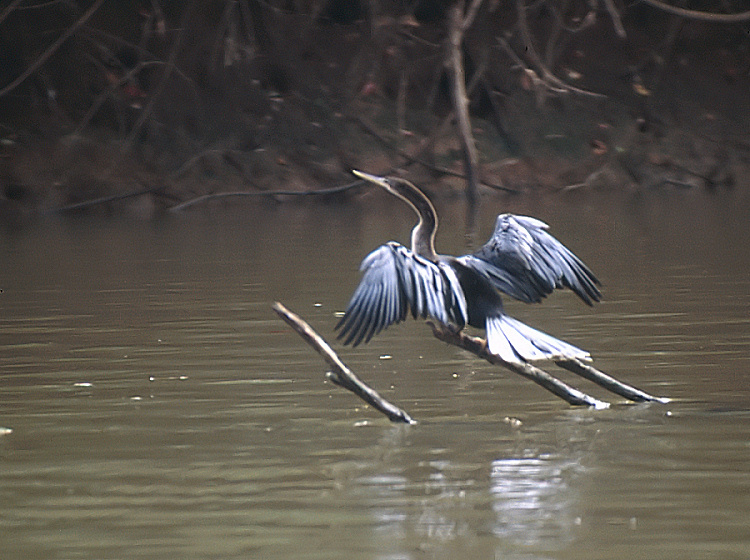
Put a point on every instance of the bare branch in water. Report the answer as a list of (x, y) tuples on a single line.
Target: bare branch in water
[(478, 347), (342, 375)]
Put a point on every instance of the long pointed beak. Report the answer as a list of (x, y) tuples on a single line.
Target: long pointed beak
[(380, 181)]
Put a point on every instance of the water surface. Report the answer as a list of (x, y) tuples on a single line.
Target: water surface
[(159, 408)]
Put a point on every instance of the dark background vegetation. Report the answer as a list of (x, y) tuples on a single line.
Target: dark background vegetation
[(148, 104)]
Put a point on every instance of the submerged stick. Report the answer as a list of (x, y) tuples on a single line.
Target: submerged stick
[(341, 375), (478, 347), (608, 382), (344, 377)]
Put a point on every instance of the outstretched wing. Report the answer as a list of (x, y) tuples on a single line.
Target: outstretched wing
[(524, 261), (395, 281)]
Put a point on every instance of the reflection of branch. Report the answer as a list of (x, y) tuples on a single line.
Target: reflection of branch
[(702, 16), (341, 375), (52, 49)]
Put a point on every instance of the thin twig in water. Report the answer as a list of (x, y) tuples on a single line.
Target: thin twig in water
[(342, 375), (478, 347), (586, 182), (587, 371)]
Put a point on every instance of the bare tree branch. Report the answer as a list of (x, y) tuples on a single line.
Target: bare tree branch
[(533, 56), (587, 371), (342, 375), (456, 28), (52, 48), (478, 347), (106, 94), (417, 158), (616, 19), (237, 194), (9, 9), (698, 15), (471, 13), (156, 92), (104, 200)]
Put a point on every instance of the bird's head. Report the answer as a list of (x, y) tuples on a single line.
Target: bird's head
[(401, 188), (388, 183), (423, 235)]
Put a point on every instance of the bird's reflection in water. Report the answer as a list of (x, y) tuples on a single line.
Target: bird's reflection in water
[(437, 519), (534, 501), (526, 502)]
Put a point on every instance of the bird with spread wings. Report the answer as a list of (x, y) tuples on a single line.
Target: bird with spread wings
[(521, 259)]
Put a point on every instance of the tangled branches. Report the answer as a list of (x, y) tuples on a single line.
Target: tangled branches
[(282, 82)]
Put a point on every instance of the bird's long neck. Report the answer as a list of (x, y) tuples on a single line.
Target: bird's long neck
[(423, 234), (423, 237)]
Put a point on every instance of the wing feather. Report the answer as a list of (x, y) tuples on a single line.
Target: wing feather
[(395, 282), (524, 261)]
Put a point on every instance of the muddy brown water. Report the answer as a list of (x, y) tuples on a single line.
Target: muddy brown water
[(153, 406)]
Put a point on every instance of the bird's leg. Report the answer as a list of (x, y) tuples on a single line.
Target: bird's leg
[(455, 329)]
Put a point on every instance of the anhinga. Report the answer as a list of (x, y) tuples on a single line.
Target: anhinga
[(521, 260)]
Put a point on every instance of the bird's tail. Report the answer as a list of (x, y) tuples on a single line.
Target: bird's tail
[(515, 342)]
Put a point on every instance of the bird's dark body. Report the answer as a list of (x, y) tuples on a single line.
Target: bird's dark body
[(521, 260), (486, 300)]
